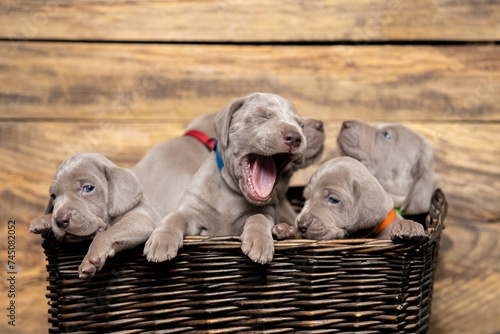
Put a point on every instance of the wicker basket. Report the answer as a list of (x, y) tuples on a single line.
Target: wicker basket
[(336, 286)]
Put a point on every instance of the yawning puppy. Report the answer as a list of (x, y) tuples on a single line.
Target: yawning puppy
[(91, 198), (400, 159), (166, 170), (259, 135), (343, 200)]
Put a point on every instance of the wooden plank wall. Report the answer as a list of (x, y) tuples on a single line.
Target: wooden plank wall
[(117, 77)]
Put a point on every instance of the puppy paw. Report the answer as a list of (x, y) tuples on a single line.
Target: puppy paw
[(284, 231), (408, 231), (162, 246), (42, 224), (258, 247), (93, 262)]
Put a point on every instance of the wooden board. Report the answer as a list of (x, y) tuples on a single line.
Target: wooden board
[(174, 82), (238, 20), (467, 288)]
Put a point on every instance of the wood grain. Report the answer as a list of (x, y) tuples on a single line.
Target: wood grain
[(176, 82), (467, 288), (237, 20)]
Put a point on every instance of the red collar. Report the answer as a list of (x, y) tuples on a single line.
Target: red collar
[(384, 223), (203, 138)]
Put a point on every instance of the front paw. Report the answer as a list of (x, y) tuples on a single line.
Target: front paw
[(408, 231), (93, 263), (257, 246), (162, 246), (42, 224), (284, 231)]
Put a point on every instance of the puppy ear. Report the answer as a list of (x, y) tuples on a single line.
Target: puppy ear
[(424, 183), (223, 120), (43, 224), (371, 203), (124, 190)]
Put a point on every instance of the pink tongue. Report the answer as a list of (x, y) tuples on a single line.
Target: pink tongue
[(263, 175)]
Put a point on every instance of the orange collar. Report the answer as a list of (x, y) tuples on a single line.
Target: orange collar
[(384, 223)]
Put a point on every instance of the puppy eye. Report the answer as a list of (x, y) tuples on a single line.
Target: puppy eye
[(387, 135), (267, 115), (52, 196), (333, 200), (88, 189)]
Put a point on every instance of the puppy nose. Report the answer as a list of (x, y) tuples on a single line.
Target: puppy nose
[(319, 126), (303, 226), (63, 220), (292, 138), (346, 125), (304, 221)]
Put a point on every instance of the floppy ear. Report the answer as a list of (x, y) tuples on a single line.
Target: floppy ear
[(223, 120), (124, 190), (43, 224), (424, 183), (371, 202)]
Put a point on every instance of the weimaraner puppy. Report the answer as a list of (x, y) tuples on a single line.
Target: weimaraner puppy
[(401, 160), (343, 200), (232, 192), (166, 170), (92, 198)]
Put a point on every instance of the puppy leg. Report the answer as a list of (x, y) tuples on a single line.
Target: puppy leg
[(42, 224), (284, 231), (408, 231), (129, 232), (166, 239), (256, 240)]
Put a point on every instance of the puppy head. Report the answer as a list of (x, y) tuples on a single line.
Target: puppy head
[(343, 200), (88, 191), (259, 135), (400, 159), (315, 139)]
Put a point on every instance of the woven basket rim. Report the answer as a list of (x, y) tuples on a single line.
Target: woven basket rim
[(434, 222)]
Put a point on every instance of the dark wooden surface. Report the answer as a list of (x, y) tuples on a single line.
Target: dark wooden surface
[(72, 85)]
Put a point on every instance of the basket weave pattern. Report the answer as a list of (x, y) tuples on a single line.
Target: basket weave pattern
[(335, 286)]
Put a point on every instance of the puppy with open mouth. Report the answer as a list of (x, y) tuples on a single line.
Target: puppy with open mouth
[(166, 169), (232, 192)]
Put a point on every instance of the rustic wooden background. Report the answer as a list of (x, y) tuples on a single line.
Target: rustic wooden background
[(117, 77)]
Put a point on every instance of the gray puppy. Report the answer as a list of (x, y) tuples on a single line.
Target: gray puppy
[(343, 200), (166, 170), (92, 198), (232, 192), (401, 160)]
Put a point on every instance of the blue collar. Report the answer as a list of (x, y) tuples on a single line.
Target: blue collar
[(220, 163)]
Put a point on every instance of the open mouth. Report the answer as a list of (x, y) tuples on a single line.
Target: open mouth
[(261, 174)]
